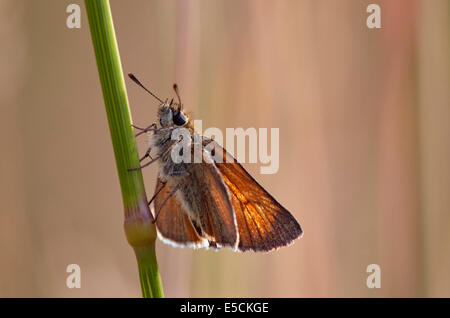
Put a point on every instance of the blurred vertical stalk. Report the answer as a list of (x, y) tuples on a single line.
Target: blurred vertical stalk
[(139, 229)]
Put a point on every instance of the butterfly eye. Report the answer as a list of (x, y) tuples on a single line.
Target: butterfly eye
[(179, 119)]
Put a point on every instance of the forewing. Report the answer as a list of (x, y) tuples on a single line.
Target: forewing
[(262, 222), (216, 215)]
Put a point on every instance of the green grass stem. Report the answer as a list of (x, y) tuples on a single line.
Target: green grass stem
[(139, 229)]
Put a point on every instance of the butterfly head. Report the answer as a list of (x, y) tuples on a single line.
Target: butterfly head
[(171, 114)]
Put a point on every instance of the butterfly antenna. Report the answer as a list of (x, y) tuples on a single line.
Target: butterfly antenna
[(175, 88), (130, 75)]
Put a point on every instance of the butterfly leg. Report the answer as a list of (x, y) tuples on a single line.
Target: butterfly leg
[(157, 192), (147, 154), (138, 128), (145, 165), (144, 130), (172, 192)]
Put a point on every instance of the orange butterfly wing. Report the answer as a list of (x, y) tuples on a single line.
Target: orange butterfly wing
[(174, 226), (216, 217), (263, 223), (215, 222)]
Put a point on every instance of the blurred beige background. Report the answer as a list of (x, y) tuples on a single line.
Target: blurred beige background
[(364, 143)]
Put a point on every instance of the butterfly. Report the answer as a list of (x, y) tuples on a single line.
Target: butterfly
[(209, 203)]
